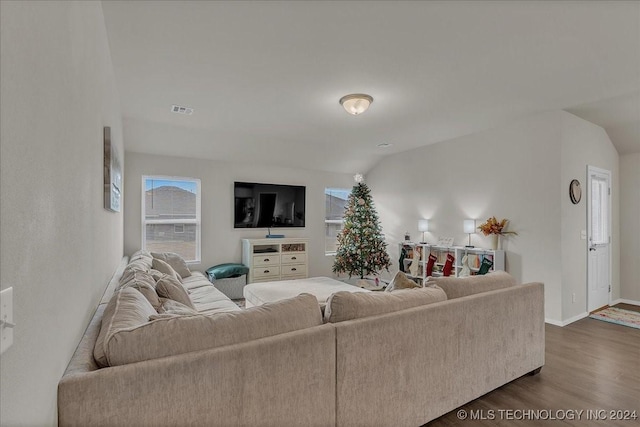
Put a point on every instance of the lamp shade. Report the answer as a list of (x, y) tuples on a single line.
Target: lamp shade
[(469, 226), (423, 225)]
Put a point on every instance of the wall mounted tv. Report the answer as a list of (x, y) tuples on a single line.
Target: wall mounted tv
[(268, 205)]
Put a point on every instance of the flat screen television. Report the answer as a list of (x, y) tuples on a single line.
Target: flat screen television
[(268, 205)]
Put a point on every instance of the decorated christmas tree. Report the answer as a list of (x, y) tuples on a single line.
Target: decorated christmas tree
[(361, 246)]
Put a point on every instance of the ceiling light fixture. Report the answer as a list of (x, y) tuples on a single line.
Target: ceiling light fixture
[(356, 103), (384, 145)]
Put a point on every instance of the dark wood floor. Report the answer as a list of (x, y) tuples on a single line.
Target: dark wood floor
[(589, 365), (628, 307)]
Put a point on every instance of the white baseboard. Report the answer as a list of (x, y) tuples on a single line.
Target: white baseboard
[(568, 321), (625, 301), (585, 314), (575, 318)]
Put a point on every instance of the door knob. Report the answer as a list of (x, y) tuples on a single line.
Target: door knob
[(592, 249)]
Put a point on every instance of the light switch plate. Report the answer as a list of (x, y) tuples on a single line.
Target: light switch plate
[(6, 318)]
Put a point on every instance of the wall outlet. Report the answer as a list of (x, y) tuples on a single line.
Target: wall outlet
[(6, 319), (573, 298)]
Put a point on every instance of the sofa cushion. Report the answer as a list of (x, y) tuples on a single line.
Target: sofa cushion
[(175, 261), (137, 275), (169, 287), (401, 281), (196, 280), (132, 267), (171, 308), (142, 255), (457, 287), (145, 284), (210, 300), (127, 308), (344, 305), (183, 334), (165, 268)]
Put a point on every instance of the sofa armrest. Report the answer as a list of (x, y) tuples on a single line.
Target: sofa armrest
[(265, 381)]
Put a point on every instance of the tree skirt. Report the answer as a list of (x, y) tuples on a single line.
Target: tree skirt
[(368, 283), (618, 316)]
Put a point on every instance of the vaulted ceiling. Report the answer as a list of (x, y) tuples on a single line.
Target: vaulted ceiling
[(264, 78)]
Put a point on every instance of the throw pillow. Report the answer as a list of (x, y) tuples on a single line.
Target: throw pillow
[(127, 309), (144, 283), (401, 281), (175, 261), (457, 287), (165, 268), (157, 275), (225, 271), (170, 287), (346, 305)]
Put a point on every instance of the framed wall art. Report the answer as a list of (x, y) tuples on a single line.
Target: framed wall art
[(112, 174)]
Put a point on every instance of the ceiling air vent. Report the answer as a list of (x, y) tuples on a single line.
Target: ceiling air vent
[(178, 109)]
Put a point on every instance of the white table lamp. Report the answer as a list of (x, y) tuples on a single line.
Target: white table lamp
[(423, 225), (469, 227)]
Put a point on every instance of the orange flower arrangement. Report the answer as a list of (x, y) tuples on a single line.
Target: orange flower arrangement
[(493, 226)]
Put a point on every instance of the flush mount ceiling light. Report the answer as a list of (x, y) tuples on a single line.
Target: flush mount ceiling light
[(356, 103)]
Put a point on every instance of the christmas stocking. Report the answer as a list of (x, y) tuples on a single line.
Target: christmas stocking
[(446, 270), (430, 262), (485, 266), (465, 271), (403, 255)]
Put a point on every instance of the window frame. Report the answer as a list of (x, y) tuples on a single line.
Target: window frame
[(197, 221), (328, 222), (599, 217)]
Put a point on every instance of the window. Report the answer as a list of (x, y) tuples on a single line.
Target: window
[(335, 202), (599, 211), (171, 216)]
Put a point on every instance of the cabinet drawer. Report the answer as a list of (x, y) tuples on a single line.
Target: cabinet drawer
[(294, 270), (266, 271), (266, 259), (294, 258)]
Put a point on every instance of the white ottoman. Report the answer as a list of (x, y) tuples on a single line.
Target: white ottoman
[(320, 287)]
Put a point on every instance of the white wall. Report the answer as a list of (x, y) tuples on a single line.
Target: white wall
[(220, 241), (506, 172), (515, 172), (584, 143), (59, 247), (630, 227)]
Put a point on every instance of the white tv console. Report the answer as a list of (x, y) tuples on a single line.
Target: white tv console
[(275, 259)]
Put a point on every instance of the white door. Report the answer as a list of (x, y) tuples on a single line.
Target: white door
[(599, 237)]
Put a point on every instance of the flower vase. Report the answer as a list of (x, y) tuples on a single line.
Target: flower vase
[(495, 242)]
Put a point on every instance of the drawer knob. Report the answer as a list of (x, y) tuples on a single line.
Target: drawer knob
[(293, 269), (266, 271), (267, 260), (293, 257)]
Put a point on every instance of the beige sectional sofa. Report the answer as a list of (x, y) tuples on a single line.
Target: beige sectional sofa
[(375, 359)]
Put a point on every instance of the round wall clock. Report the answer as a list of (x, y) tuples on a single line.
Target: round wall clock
[(575, 192)]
